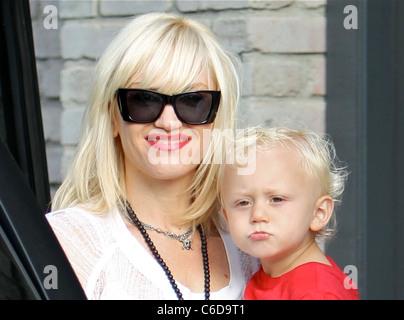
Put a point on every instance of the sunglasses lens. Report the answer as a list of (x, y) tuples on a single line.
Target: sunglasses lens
[(194, 107), (143, 106)]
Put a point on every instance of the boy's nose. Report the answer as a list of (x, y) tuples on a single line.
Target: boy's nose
[(259, 213)]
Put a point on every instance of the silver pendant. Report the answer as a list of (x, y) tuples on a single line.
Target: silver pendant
[(186, 244)]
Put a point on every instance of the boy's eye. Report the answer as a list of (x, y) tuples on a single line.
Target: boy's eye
[(277, 199), (243, 203)]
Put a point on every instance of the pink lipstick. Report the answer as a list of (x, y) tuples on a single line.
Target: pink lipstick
[(168, 142)]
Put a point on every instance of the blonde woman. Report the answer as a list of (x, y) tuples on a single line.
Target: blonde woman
[(277, 212), (137, 214)]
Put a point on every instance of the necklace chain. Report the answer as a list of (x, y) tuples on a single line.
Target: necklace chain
[(183, 238), (186, 243), (130, 214)]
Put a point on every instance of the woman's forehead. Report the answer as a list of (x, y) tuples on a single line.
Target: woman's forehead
[(173, 86)]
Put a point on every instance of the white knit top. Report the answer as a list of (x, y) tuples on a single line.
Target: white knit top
[(111, 264)]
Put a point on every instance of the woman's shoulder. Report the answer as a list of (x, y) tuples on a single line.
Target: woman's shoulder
[(77, 226), (72, 216), (83, 236), (74, 219)]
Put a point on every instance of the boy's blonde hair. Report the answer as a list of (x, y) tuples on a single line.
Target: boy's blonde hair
[(168, 53), (318, 157)]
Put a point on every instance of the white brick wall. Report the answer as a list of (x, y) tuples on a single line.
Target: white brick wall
[(281, 44)]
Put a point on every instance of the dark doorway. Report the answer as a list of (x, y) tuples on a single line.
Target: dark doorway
[(365, 117)]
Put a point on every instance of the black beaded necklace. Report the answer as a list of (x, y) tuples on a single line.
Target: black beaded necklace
[(134, 220)]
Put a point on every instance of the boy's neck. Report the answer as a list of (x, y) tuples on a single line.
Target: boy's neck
[(309, 253)]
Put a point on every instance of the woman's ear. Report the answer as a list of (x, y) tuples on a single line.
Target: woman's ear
[(322, 213), (114, 120)]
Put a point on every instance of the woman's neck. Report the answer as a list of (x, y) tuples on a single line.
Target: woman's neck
[(158, 202)]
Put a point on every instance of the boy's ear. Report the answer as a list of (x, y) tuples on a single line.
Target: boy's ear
[(322, 214), (225, 215)]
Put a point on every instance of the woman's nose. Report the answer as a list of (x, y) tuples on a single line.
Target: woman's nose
[(168, 119)]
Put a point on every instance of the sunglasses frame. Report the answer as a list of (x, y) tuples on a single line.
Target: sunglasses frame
[(167, 99)]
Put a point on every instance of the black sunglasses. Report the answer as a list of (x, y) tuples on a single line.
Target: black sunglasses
[(145, 106)]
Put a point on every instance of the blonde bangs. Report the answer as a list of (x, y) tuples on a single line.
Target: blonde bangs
[(174, 59)]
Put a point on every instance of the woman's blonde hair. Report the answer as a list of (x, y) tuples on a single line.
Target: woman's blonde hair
[(164, 52), (318, 157)]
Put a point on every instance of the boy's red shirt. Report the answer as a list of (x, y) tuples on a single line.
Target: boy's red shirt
[(310, 281)]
